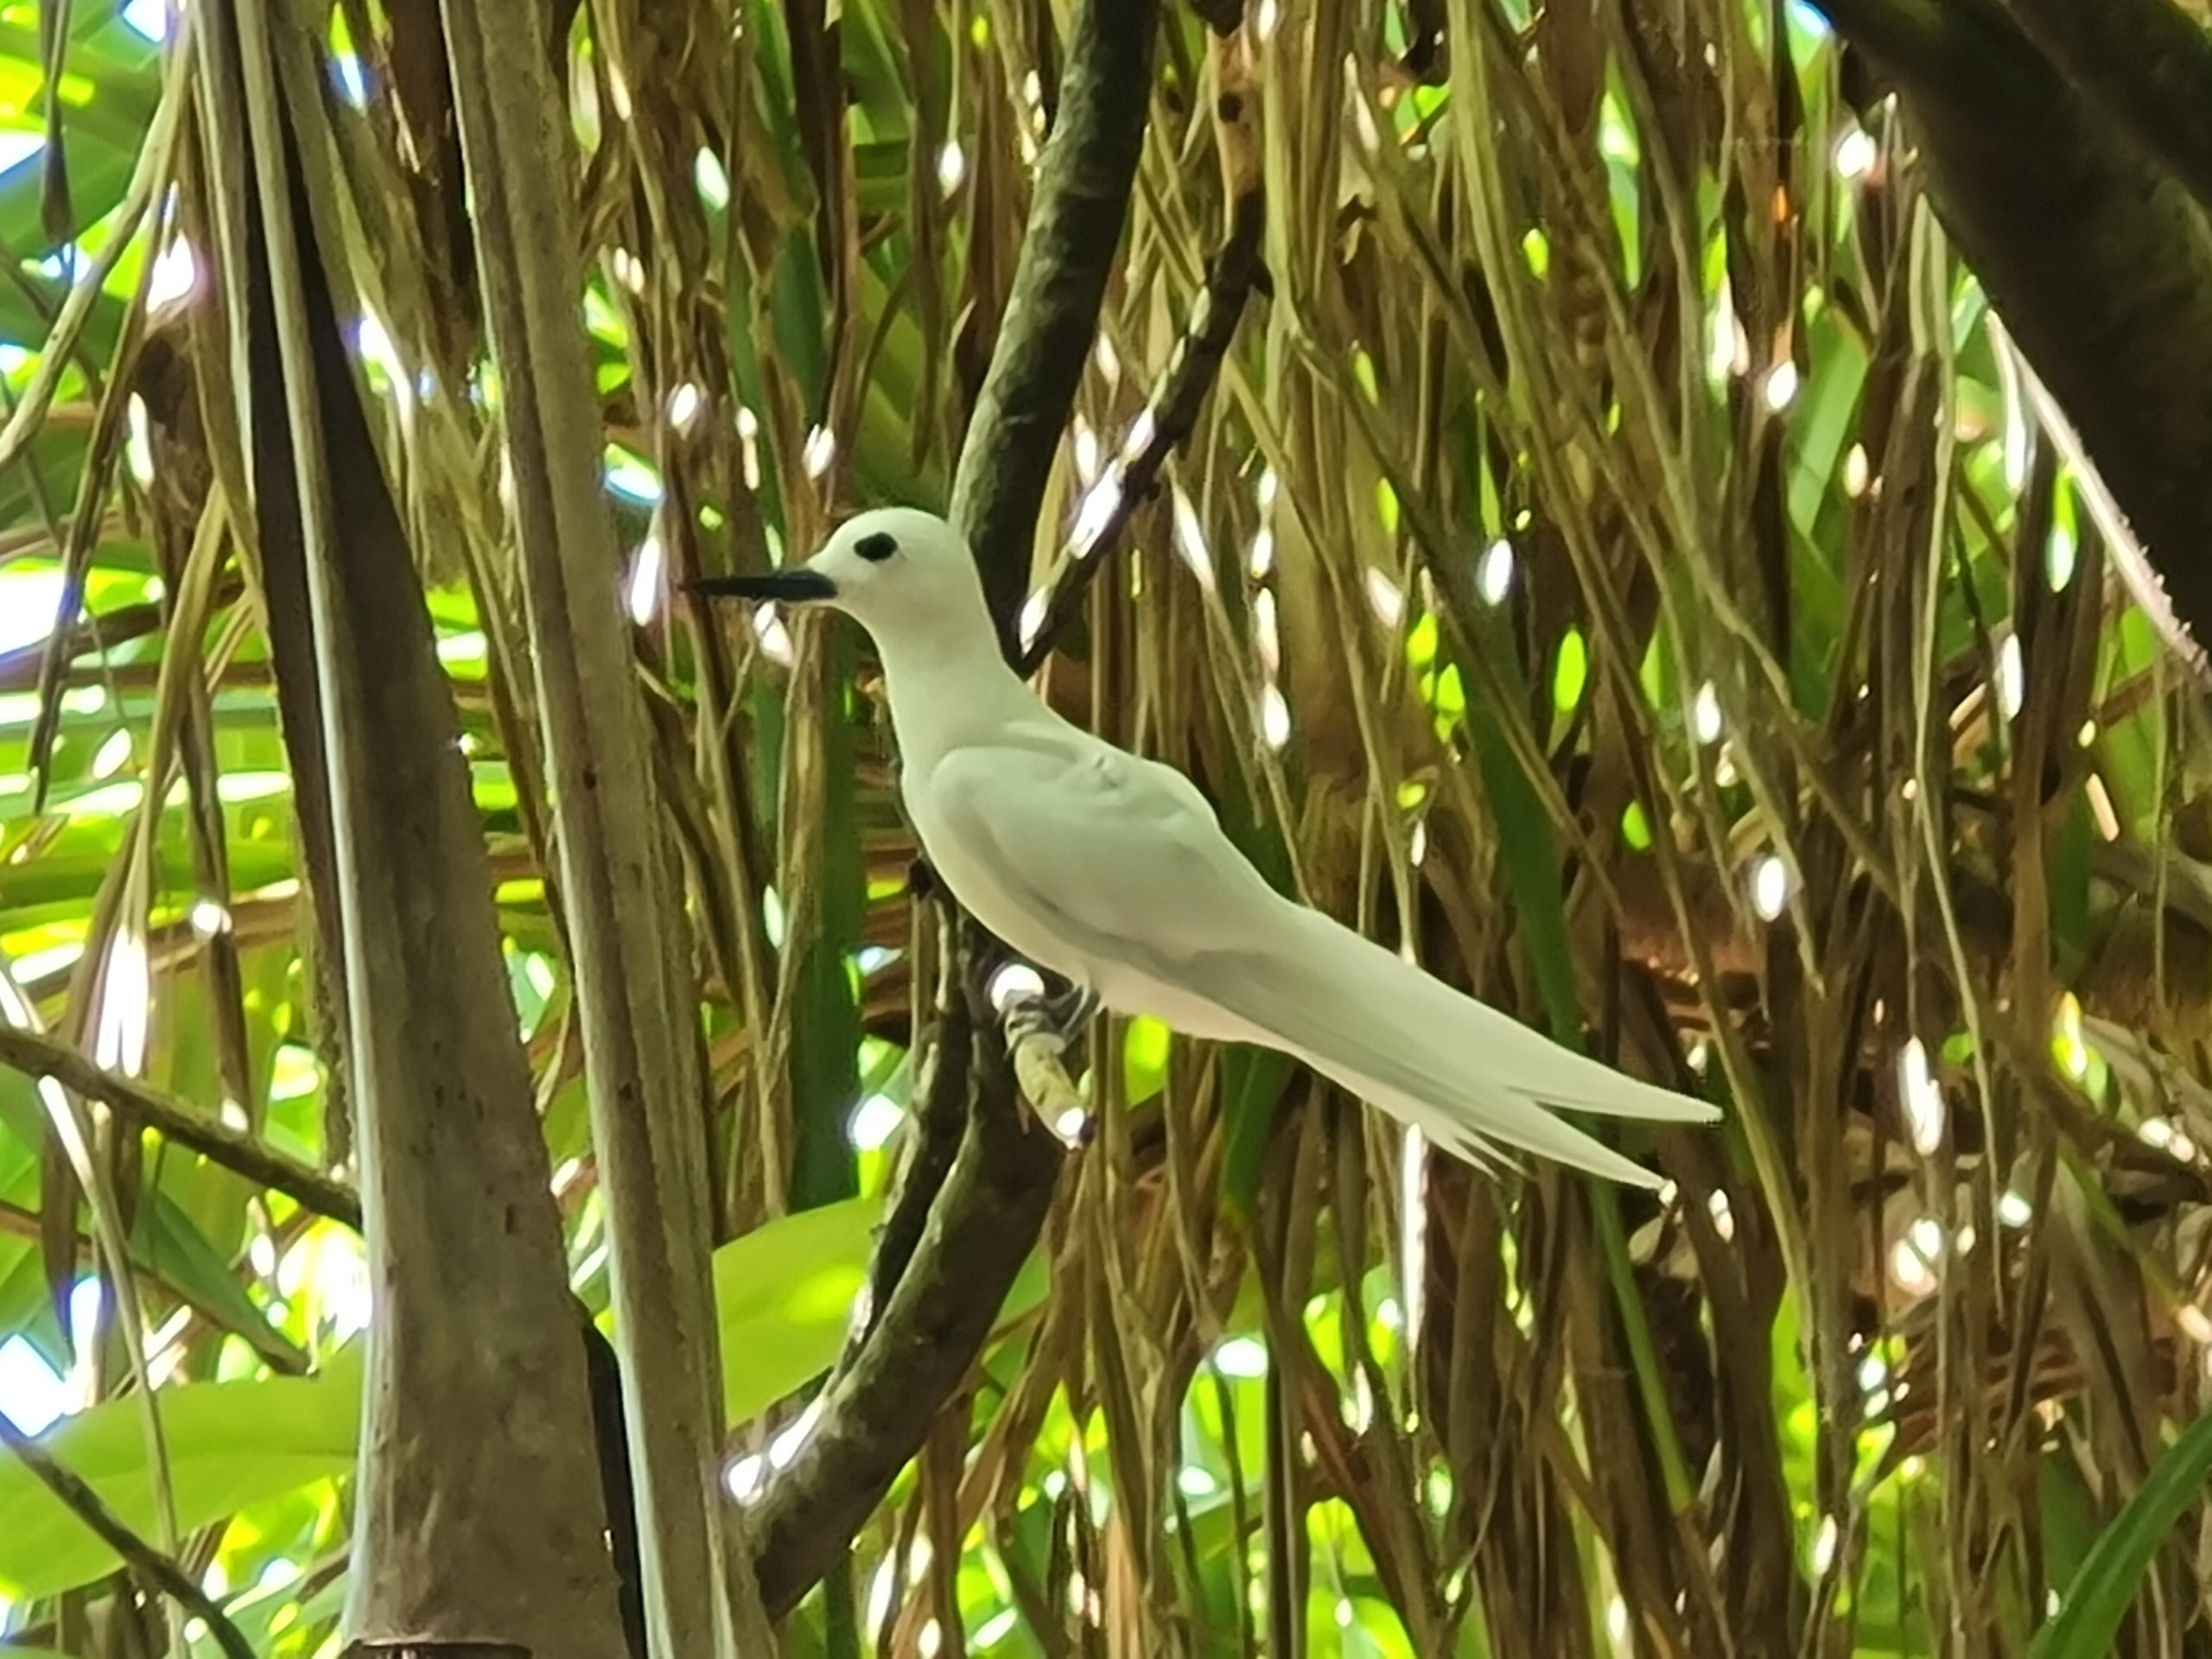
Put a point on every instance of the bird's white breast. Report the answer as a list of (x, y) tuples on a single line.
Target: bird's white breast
[(981, 890), (1032, 915)]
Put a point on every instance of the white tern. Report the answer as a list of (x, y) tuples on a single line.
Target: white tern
[(1113, 872)]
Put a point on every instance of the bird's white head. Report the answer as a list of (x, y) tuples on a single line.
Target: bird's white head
[(897, 571)]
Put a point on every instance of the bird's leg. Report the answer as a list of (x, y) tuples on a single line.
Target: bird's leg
[(921, 880), (1072, 1009)]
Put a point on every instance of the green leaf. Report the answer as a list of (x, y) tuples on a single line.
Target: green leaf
[(1252, 1079), (826, 1012), (1028, 1290), (2066, 1515), (784, 1294), (2093, 1605), (22, 1131), (27, 1305), (1571, 673), (1529, 852), (1145, 1047), (165, 1241), (232, 1445), (1252, 1082), (784, 1299), (1823, 421)]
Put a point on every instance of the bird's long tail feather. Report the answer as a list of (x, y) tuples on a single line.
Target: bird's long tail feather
[(1465, 1074)]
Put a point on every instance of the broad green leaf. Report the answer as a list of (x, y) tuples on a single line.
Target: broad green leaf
[(826, 1012), (784, 1299), (22, 1129), (784, 1294), (2092, 1606), (165, 1242), (27, 1307), (1145, 1047), (1028, 1287), (232, 1445), (1252, 1083)]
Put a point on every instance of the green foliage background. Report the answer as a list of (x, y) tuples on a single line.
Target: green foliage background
[(1618, 555)]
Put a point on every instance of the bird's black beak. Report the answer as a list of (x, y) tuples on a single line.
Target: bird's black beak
[(796, 586)]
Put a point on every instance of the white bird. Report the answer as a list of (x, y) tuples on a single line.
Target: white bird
[(1112, 871)]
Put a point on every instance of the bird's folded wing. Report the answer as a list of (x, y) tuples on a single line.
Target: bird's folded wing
[(1450, 1064), (1419, 1017), (1122, 856)]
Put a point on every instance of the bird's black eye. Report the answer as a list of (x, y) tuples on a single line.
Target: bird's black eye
[(877, 548)]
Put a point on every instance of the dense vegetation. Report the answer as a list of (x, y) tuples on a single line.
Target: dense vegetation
[(1557, 478)]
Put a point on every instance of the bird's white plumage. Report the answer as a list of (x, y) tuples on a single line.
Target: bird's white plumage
[(1112, 871)]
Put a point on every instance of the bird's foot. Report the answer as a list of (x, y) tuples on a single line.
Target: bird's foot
[(1059, 1020)]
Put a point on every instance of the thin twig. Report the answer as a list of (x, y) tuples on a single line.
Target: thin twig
[(1169, 419), (233, 1149), (76, 1494)]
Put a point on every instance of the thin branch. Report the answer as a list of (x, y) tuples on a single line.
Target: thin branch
[(876, 1413), (233, 1149), (1067, 258), (76, 1494), (1167, 420), (619, 891)]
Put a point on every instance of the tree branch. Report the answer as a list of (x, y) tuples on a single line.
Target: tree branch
[(2098, 257), (877, 1412), (619, 886), (1918, 32), (473, 1384), (1169, 419), (998, 1186), (1059, 283), (77, 1494), (940, 1125), (1172, 413), (233, 1149)]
